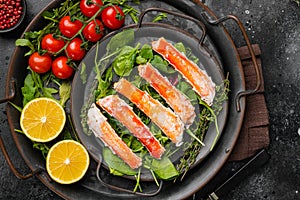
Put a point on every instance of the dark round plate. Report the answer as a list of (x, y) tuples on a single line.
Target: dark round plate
[(82, 93)]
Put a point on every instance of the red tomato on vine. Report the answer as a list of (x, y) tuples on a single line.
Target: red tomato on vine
[(113, 17), (68, 27), (93, 31), (52, 44), (90, 7), (40, 63), (61, 69), (74, 50)]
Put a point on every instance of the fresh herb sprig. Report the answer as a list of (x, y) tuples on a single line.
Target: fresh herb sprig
[(207, 116)]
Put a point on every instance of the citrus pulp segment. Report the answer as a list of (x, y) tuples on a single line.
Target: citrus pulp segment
[(67, 161), (42, 119)]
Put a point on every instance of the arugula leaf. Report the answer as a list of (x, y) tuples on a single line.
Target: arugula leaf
[(34, 87), (64, 92), (28, 90), (116, 163), (160, 17), (104, 85), (24, 43), (133, 13), (48, 92)]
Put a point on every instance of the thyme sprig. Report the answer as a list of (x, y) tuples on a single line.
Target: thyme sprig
[(207, 116)]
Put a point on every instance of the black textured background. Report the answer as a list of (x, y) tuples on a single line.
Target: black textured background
[(275, 26)]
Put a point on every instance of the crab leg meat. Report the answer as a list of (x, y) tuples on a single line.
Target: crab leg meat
[(177, 101), (197, 78), (163, 117), (101, 128), (119, 109)]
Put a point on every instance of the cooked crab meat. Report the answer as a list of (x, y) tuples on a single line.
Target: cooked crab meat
[(163, 117), (97, 122), (119, 109), (197, 78), (176, 100)]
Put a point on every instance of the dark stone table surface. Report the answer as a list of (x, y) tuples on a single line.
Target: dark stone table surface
[(275, 26)]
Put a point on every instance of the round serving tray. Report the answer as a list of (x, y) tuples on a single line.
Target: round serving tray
[(82, 93), (89, 187)]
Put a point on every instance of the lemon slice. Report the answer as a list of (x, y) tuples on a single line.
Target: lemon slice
[(42, 119), (67, 161)]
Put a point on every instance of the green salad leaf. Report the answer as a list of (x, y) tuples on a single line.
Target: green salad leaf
[(29, 89), (64, 92), (116, 164), (162, 64), (124, 62), (120, 40), (164, 168), (145, 54), (186, 89), (104, 85), (49, 91)]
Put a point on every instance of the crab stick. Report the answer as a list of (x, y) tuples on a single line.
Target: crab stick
[(101, 128), (197, 78), (163, 117), (176, 100), (119, 109)]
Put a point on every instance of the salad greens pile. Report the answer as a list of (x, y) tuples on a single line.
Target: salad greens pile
[(121, 60)]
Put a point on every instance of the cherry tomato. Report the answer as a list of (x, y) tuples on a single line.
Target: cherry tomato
[(74, 50), (40, 63), (93, 31), (113, 17), (51, 44), (61, 69), (90, 7), (68, 27)]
